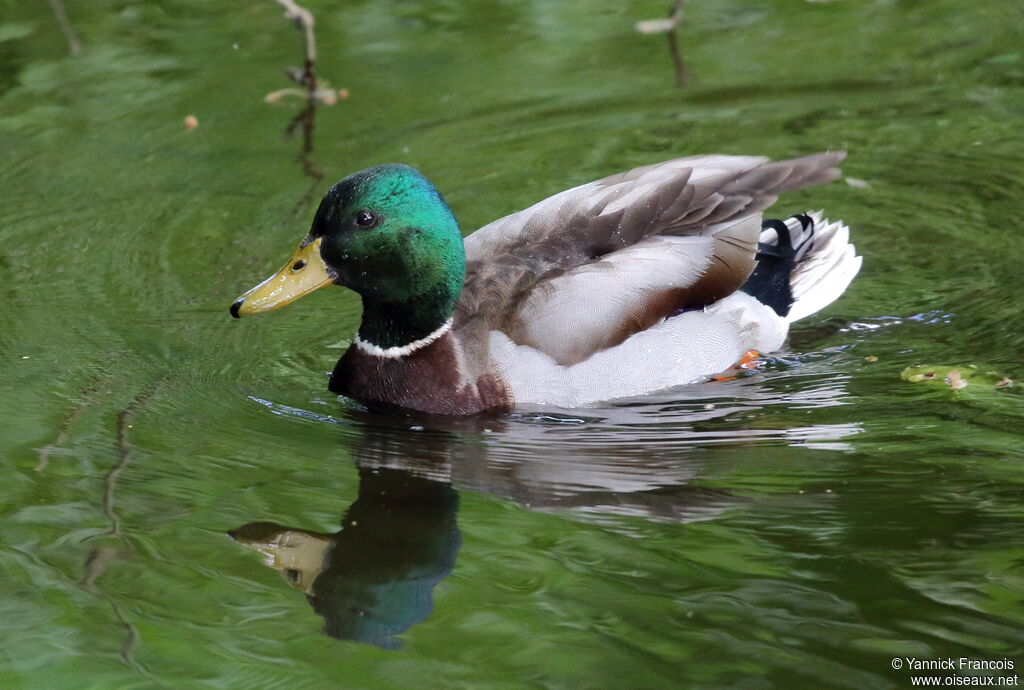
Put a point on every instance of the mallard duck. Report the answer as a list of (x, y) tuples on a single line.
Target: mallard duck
[(645, 280)]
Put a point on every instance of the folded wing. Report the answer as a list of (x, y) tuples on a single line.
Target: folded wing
[(583, 270)]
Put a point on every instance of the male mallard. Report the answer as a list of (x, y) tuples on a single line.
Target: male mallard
[(641, 281)]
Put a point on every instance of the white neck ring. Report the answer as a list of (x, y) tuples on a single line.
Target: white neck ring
[(402, 350)]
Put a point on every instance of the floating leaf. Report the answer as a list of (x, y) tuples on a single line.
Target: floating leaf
[(956, 377)]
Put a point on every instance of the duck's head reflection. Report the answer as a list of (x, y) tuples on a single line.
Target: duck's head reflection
[(375, 577)]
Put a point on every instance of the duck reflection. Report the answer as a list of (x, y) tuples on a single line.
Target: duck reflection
[(375, 577)]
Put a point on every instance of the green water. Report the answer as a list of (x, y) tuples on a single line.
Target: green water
[(797, 528)]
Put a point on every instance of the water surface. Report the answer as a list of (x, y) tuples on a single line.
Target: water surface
[(796, 528)]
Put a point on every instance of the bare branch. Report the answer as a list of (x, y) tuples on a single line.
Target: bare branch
[(74, 45), (314, 94), (675, 15), (303, 19), (670, 27)]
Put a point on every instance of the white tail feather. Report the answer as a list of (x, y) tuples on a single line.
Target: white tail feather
[(826, 263)]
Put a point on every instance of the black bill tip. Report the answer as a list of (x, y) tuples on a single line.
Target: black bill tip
[(235, 307)]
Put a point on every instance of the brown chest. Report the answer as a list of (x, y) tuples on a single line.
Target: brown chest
[(432, 379)]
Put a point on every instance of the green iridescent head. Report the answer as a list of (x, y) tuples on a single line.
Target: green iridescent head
[(386, 233)]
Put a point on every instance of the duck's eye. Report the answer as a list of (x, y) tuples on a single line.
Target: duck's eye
[(366, 219)]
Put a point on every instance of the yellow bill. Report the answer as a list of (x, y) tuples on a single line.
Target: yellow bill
[(304, 273)]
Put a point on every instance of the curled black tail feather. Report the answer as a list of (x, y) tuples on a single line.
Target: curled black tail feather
[(769, 282)]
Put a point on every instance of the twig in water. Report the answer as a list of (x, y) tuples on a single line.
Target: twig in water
[(303, 19), (670, 27), (94, 567), (110, 481), (306, 119), (74, 45), (124, 453), (315, 92), (676, 15), (101, 556), (65, 427)]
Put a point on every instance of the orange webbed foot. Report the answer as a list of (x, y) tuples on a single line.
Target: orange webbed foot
[(750, 360)]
